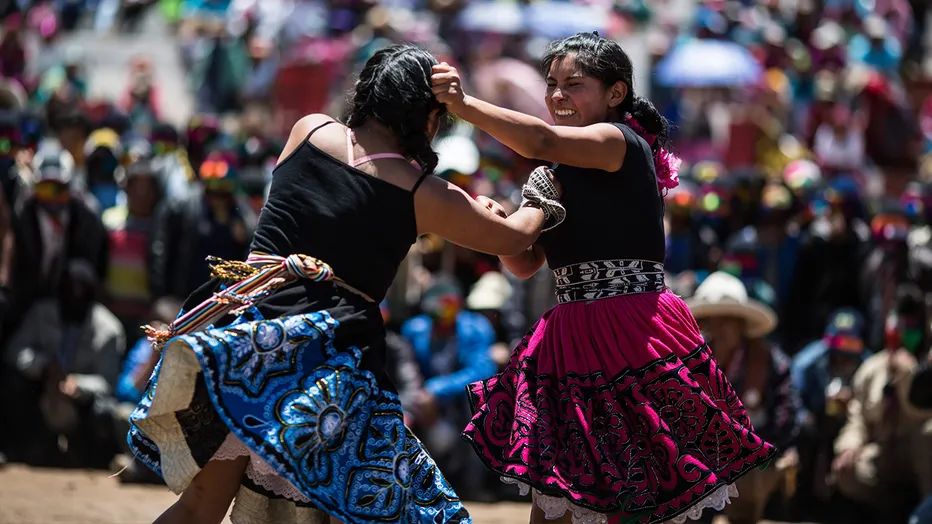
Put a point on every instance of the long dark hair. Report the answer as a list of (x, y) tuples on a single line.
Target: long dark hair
[(394, 88), (605, 60)]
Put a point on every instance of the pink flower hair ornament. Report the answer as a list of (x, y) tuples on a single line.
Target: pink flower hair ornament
[(666, 164)]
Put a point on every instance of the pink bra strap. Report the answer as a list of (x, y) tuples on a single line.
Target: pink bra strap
[(368, 158), (377, 156)]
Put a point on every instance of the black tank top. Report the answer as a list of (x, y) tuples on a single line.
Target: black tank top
[(609, 215), (319, 206)]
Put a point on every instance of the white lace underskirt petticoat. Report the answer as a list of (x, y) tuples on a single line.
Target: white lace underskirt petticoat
[(556, 507)]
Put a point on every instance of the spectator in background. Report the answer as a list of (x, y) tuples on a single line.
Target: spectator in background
[(839, 143), (129, 226), (54, 227), (876, 47), (66, 355), (103, 157), (884, 452), (829, 264), (735, 326), (72, 128), (138, 366), (452, 350), (213, 222), (489, 297), (171, 160), (822, 373), (403, 368)]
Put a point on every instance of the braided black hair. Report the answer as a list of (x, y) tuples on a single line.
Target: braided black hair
[(394, 88), (605, 60)]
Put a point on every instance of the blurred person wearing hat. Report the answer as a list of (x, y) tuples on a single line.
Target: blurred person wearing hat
[(886, 265), (69, 348), (130, 225), (822, 373), (13, 156), (778, 238), (741, 259), (804, 179), (171, 158), (203, 135), (492, 296), (883, 455), (214, 221), (55, 226), (103, 157), (876, 47), (836, 355), (735, 327), (830, 260), (453, 349), (690, 244)]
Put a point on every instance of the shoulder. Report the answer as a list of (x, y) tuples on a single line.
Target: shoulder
[(308, 123), (809, 354)]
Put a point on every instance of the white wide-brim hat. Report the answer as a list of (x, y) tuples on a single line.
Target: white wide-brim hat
[(724, 295), (490, 292)]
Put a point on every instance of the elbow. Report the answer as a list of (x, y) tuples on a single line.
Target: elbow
[(515, 249), (520, 244), (522, 273)]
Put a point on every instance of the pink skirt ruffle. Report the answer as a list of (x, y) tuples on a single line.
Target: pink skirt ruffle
[(616, 406)]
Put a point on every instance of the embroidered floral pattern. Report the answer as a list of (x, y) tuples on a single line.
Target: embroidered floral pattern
[(310, 412), (645, 445)]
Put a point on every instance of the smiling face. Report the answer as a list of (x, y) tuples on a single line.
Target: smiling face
[(577, 99)]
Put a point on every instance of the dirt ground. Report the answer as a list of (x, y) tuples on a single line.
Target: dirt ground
[(37, 496)]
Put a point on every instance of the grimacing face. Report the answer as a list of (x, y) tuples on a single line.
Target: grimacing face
[(576, 99)]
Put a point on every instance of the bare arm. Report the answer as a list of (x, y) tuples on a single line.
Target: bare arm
[(446, 210), (526, 264), (597, 146)]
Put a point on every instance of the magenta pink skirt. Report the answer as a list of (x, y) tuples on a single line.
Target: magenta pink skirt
[(617, 406)]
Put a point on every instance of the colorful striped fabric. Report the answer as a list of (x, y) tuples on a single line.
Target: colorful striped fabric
[(269, 272)]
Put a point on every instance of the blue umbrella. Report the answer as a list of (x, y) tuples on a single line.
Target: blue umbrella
[(561, 19), (492, 17), (708, 63)]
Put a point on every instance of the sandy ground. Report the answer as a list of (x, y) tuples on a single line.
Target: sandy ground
[(37, 496)]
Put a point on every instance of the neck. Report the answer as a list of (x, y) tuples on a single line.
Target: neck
[(375, 131)]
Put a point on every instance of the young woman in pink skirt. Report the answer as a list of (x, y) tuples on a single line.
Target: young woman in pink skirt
[(611, 408)]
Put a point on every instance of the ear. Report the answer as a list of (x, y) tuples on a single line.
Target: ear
[(617, 93)]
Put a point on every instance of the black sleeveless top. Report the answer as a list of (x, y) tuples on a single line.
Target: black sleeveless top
[(319, 206), (609, 215)]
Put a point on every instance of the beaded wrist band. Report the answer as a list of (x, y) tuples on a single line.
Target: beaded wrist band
[(541, 191)]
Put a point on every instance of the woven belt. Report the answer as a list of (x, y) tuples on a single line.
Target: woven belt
[(608, 278), (255, 280)]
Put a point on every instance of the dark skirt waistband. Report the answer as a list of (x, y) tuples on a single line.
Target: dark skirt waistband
[(608, 278)]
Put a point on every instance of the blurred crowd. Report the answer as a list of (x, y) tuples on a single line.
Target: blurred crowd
[(806, 129)]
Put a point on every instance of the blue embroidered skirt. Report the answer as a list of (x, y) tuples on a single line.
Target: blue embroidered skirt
[(322, 426)]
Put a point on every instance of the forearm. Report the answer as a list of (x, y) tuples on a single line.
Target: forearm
[(525, 225), (526, 135)]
